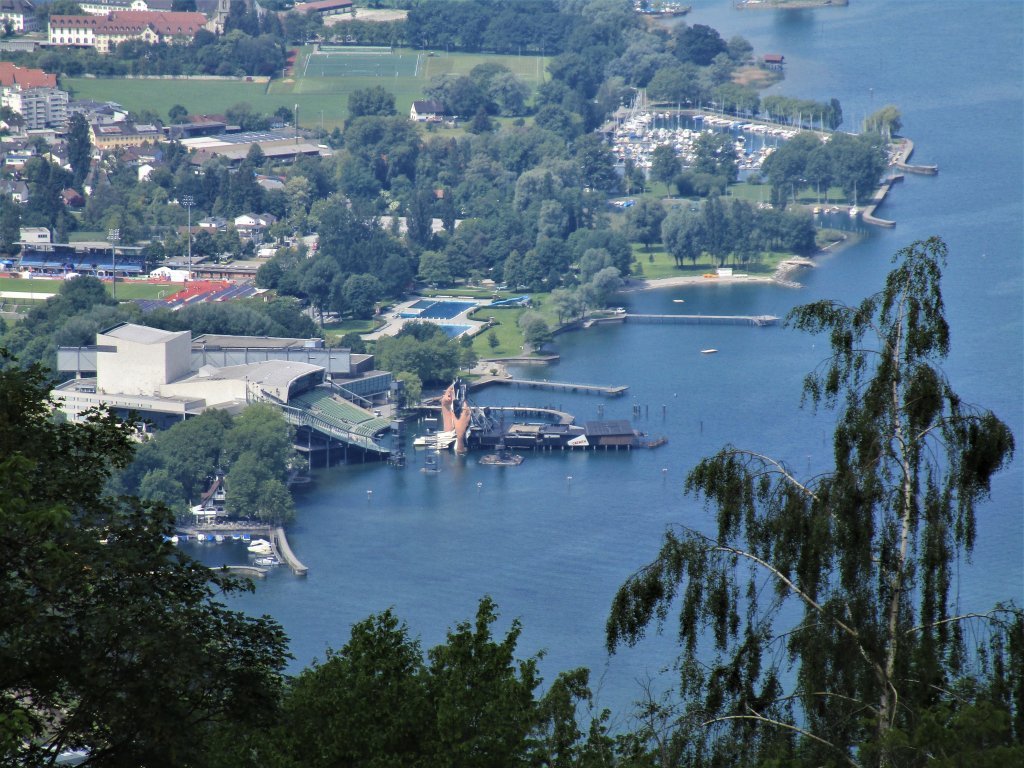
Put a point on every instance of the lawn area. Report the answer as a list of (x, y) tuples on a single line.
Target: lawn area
[(664, 265), (30, 286), (510, 339), (197, 96), (125, 290), (318, 85), (334, 331)]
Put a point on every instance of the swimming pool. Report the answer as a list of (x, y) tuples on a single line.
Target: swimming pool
[(455, 330), (445, 310)]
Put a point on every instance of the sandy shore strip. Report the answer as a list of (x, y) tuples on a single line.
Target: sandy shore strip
[(782, 273)]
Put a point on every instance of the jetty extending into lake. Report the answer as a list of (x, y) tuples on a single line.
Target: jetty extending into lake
[(906, 149), (555, 386), (758, 321)]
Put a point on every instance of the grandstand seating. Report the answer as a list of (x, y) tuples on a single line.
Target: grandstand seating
[(359, 424)]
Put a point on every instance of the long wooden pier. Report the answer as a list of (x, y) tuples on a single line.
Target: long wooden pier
[(554, 386), (757, 321)]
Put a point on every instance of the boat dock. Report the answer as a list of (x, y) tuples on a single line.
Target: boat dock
[(758, 321), (276, 536)]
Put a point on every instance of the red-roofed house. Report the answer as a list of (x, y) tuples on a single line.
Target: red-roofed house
[(34, 95), (773, 61), (105, 32)]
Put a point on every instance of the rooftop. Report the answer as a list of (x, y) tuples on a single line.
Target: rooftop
[(141, 334)]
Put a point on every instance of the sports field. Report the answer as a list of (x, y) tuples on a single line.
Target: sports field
[(319, 84)]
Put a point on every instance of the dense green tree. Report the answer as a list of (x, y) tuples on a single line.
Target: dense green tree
[(715, 155), (866, 551), (435, 269), (665, 165), (596, 163), (886, 121), (421, 348), (698, 44), (612, 241), (10, 226), (110, 639), (604, 285), (79, 149), (379, 702), (644, 221), (534, 328), (361, 294), (375, 100)]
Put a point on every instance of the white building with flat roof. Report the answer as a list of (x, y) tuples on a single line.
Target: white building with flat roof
[(149, 371)]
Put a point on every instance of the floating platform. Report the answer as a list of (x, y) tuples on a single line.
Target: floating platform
[(501, 459), (593, 435)]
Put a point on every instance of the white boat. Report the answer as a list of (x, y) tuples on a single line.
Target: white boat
[(678, 301), (438, 440), (709, 351), (854, 210), (260, 547), (218, 538), (267, 560)]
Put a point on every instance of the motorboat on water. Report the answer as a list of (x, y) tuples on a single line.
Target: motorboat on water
[(260, 547), (267, 560), (709, 351)]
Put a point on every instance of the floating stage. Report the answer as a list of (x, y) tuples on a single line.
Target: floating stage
[(593, 435)]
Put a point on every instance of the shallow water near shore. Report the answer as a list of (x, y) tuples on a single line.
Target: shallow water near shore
[(552, 539)]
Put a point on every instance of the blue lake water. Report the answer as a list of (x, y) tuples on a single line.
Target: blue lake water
[(551, 539)]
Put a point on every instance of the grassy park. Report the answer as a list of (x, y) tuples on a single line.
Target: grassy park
[(319, 84)]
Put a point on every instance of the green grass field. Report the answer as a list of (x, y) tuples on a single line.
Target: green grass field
[(29, 286), (197, 96), (319, 85), (125, 290)]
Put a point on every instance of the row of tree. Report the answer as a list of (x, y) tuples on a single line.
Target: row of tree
[(735, 230), (854, 163)]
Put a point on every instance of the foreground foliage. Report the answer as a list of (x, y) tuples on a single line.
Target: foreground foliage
[(877, 663), (110, 639), (380, 701)]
